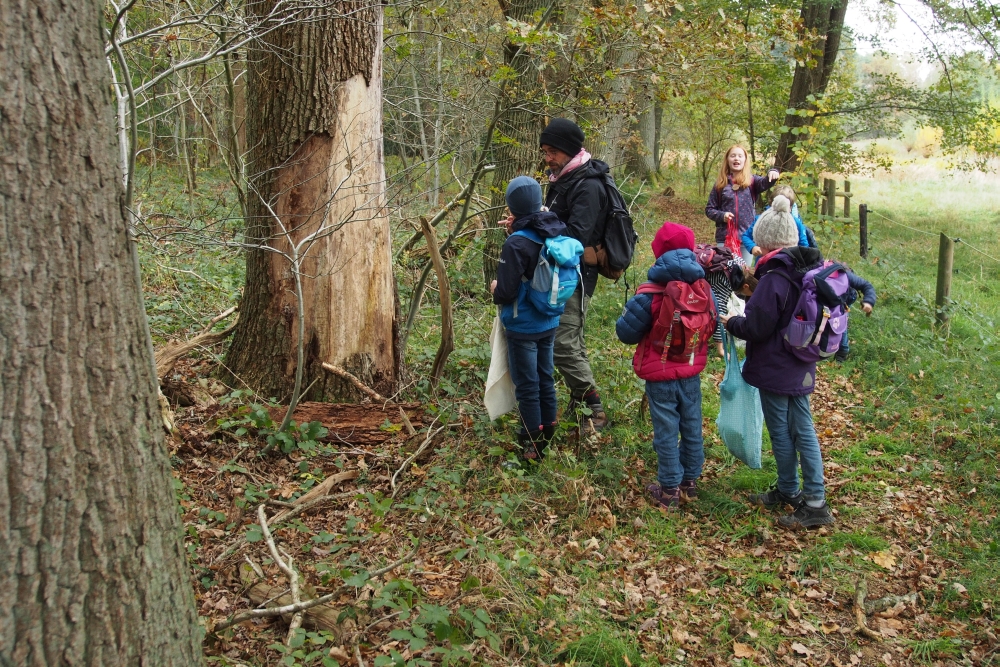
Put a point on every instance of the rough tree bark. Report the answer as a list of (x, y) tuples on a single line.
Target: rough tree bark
[(642, 148), (92, 565), (314, 127), (826, 19), (520, 126)]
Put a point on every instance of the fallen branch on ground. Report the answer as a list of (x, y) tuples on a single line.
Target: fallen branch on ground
[(406, 422), (319, 491), (287, 567), (261, 593), (168, 355), (860, 591), (362, 387), (890, 601), (315, 496), (308, 604), (424, 445)]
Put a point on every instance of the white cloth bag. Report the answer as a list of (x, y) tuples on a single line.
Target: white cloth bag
[(737, 308), (499, 396)]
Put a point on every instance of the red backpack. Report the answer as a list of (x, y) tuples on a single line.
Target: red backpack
[(685, 323)]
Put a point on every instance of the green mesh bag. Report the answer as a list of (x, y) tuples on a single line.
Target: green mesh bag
[(741, 420)]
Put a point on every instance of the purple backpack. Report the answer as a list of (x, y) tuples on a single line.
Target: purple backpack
[(820, 317)]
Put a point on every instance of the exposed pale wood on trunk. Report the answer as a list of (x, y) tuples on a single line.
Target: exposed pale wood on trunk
[(92, 565), (314, 124)]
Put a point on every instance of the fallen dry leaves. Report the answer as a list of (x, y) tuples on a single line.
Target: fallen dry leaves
[(701, 598)]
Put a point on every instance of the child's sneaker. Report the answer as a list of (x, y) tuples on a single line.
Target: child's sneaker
[(773, 498), (807, 517), (689, 490), (666, 500)]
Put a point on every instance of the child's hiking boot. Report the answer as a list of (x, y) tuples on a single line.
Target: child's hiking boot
[(532, 451), (689, 490), (807, 517), (773, 499), (595, 422), (548, 433), (665, 500), (532, 446)]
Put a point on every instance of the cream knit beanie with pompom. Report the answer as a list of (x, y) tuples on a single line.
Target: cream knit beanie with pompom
[(776, 227)]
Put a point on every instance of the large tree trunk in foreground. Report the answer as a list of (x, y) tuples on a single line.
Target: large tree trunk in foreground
[(92, 565), (826, 18), (314, 124)]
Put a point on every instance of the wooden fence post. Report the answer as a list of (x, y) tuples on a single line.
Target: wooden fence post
[(847, 199), (830, 186), (863, 228), (946, 260)]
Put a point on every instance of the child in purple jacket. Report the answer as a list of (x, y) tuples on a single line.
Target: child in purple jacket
[(784, 380)]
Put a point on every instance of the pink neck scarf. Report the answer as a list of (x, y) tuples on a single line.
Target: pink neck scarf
[(581, 158)]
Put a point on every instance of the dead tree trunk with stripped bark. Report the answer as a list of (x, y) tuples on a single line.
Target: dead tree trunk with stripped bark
[(316, 201)]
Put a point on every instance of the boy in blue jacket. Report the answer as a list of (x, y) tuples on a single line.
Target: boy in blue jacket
[(858, 286), (806, 237), (530, 334)]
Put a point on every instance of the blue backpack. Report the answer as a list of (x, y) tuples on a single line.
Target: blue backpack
[(556, 275)]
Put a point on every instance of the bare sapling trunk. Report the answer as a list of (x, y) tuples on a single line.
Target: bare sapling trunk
[(92, 565), (319, 284)]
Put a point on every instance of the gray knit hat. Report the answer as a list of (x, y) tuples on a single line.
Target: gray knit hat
[(776, 227)]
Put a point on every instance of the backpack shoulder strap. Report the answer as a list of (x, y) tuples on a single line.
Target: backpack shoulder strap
[(529, 234), (650, 288), (615, 198), (796, 285)]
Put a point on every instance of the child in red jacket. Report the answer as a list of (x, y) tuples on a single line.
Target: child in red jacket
[(671, 355)]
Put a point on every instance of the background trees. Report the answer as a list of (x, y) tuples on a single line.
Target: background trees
[(92, 568)]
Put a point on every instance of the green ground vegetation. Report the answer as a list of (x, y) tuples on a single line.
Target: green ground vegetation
[(567, 563)]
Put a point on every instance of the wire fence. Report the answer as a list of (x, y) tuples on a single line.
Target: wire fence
[(983, 322), (934, 234)]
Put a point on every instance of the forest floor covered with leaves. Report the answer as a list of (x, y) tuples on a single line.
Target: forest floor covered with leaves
[(433, 552)]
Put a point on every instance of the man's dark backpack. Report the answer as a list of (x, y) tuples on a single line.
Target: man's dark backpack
[(613, 254)]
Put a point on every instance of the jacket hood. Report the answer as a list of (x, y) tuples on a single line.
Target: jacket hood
[(591, 169), (797, 259), (672, 236), (546, 223), (678, 264)]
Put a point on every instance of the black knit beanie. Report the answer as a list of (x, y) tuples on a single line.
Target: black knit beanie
[(564, 134)]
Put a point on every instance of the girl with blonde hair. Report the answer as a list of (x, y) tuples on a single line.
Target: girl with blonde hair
[(731, 202)]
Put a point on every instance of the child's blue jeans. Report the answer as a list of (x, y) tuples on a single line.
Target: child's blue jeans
[(675, 408), (530, 363), (794, 443)]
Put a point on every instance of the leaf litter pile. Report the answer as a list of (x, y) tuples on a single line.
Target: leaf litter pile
[(430, 552)]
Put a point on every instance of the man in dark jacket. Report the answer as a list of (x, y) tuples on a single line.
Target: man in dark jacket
[(576, 194)]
